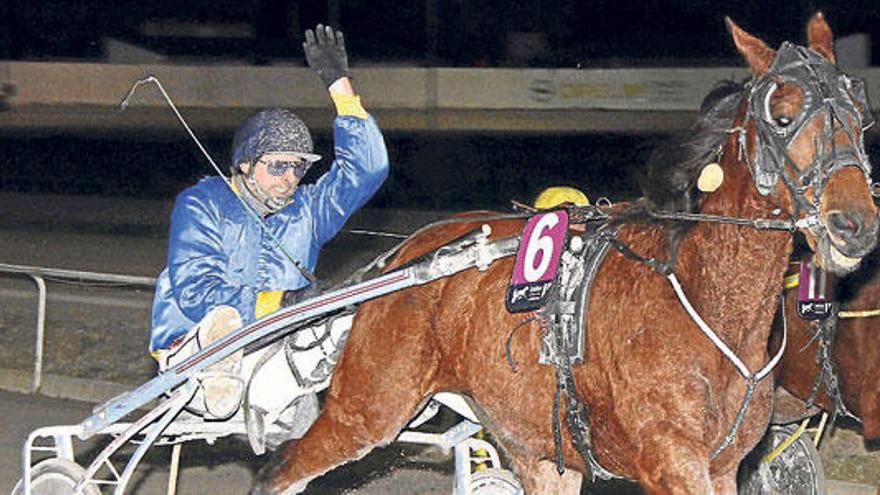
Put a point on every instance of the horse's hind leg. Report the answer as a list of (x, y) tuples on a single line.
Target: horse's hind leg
[(382, 377)]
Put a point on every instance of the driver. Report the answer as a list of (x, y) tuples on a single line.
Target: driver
[(233, 249)]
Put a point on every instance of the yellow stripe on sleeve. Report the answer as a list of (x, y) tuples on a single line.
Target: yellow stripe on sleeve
[(348, 105), (267, 302)]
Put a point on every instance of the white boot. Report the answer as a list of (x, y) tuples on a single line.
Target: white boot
[(222, 381)]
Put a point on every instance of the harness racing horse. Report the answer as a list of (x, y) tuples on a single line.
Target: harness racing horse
[(854, 352), (659, 396)]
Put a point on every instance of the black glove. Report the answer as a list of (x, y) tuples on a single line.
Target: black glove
[(292, 297), (325, 53)]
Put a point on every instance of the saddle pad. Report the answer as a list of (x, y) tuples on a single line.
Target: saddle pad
[(537, 261)]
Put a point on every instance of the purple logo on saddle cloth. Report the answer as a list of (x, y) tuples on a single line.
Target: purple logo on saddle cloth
[(537, 260)]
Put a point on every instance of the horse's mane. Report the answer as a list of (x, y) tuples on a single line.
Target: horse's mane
[(669, 181)]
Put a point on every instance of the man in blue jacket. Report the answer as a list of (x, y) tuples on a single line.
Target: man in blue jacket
[(234, 248)]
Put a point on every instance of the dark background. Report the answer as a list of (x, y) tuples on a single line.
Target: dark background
[(470, 32), (430, 170)]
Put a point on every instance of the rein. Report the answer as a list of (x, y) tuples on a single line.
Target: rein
[(581, 215), (382, 259), (757, 223)]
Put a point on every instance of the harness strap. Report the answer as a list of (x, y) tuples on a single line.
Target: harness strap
[(757, 223), (508, 355), (658, 266), (752, 379), (562, 344), (554, 426), (576, 417), (825, 331)]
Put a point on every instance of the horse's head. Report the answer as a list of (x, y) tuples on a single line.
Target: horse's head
[(802, 135)]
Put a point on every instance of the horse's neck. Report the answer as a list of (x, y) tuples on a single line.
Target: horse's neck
[(739, 269)]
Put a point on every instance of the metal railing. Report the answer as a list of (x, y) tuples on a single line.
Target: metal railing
[(39, 276)]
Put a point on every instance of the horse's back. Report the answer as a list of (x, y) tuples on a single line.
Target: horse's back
[(434, 236)]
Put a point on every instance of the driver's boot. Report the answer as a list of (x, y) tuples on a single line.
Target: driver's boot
[(222, 381)]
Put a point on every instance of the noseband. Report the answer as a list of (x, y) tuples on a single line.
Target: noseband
[(842, 101)]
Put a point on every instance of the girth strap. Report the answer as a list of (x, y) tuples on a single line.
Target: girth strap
[(578, 422), (563, 343)]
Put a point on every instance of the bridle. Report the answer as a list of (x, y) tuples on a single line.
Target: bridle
[(840, 99)]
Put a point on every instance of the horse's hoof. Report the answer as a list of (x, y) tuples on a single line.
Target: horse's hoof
[(259, 489), (270, 480)]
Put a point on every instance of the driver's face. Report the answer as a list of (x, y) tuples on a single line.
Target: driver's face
[(276, 174)]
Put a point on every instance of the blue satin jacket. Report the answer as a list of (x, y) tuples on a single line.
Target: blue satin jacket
[(219, 255)]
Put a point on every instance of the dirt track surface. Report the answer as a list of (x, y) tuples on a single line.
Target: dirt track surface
[(225, 468)]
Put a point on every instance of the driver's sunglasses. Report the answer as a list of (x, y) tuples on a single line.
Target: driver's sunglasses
[(278, 168)]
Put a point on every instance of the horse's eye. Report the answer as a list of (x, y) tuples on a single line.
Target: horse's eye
[(782, 121)]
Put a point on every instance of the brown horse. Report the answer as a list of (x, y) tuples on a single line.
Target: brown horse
[(855, 351), (661, 396)]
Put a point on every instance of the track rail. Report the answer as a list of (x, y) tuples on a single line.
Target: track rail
[(39, 276)]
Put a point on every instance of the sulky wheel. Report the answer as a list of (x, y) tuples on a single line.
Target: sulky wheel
[(495, 482), (56, 477), (797, 469)]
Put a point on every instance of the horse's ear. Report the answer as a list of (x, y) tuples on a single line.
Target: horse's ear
[(758, 55), (819, 36)]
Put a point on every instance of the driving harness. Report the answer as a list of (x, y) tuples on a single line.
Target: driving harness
[(564, 323)]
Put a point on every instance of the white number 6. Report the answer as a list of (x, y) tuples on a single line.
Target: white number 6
[(539, 243)]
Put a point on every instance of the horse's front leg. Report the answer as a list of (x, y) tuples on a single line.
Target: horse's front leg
[(382, 377), (724, 484), (674, 464), (540, 476)]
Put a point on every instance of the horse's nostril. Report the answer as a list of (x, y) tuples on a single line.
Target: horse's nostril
[(845, 223)]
